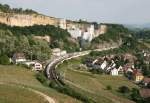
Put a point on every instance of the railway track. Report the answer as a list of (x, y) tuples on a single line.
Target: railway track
[(50, 68)]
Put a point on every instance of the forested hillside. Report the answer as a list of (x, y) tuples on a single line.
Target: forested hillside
[(20, 39)]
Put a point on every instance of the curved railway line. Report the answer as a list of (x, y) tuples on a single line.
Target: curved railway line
[(50, 68)]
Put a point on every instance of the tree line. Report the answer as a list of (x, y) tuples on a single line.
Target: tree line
[(7, 9)]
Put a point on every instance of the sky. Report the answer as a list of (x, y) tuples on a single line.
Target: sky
[(102, 11)]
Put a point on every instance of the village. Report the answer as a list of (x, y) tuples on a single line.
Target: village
[(119, 66), (122, 65)]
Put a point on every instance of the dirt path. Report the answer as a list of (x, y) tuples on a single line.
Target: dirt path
[(46, 97), (49, 99)]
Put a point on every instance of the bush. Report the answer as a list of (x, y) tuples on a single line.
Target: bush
[(96, 71), (4, 60), (124, 89), (42, 79), (65, 89), (135, 95), (109, 87)]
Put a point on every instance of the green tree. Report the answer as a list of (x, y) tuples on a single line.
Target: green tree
[(41, 50), (109, 87), (7, 42), (23, 44), (124, 89), (4, 60), (135, 95)]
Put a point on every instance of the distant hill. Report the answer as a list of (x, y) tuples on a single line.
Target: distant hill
[(138, 26)]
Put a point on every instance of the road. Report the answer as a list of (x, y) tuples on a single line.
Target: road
[(50, 69)]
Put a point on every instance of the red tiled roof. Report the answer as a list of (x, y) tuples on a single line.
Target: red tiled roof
[(137, 72)]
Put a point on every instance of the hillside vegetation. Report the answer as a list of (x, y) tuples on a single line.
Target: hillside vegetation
[(20, 39), (115, 32)]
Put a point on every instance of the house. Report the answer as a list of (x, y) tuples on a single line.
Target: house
[(104, 64), (18, 58), (37, 66), (120, 70), (146, 81), (95, 61), (112, 65), (128, 68), (114, 72), (138, 76)]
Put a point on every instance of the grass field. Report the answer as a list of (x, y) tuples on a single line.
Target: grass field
[(94, 85), (15, 94), (22, 76)]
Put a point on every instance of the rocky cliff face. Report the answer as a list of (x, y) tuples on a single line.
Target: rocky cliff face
[(27, 20)]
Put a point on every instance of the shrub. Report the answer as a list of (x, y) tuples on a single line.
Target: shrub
[(42, 79), (96, 71), (109, 87), (65, 89), (135, 95), (4, 60), (124, 89)]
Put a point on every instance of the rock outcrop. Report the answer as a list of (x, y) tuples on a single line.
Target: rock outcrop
[(27, 20), (86, 30)]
